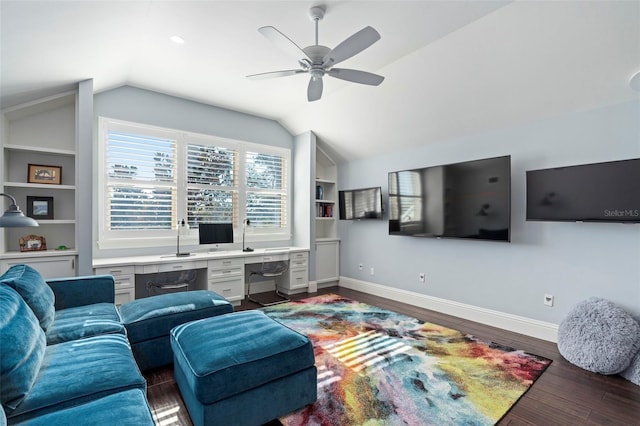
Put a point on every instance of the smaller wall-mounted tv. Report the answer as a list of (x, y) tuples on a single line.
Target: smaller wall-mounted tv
[(471, 199), (597, 192), (363, 203), (215, 233)]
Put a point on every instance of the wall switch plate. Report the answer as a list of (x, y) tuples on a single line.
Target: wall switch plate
[(360, 266), (371, 271)]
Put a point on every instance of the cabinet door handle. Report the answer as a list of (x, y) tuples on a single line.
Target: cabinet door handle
[(73, 264)]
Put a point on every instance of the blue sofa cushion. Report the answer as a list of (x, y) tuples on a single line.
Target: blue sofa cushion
[(73, 373), (84, 321), (123, 408), (22, 348), (34, 290), (152, 317), (229, 354)]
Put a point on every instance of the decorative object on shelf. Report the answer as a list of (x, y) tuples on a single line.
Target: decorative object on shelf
[(319, 192), (13, 217), (40, 207), (33, 243), (245, 223), (38, 173)]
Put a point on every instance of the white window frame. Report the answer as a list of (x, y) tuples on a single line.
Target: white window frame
[(160, 238)]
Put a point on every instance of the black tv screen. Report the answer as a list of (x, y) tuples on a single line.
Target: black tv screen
[(215, 233), (471, 200), (364, 203), (597, 192)]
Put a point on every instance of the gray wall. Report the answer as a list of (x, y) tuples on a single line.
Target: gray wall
[(144, 106), (572, 261)]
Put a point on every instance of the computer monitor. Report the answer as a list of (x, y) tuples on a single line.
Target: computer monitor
[(215, 233)]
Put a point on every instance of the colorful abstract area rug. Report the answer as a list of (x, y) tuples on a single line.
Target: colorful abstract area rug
[(377, 367)]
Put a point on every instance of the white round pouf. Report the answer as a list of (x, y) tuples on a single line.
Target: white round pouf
[(599, 336)]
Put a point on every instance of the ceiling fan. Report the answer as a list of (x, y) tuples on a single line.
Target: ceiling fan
[(319, 60)]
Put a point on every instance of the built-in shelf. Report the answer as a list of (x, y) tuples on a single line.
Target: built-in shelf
[(44, 132), (38, 253), (326, 201), (39, 185), (47, 150)]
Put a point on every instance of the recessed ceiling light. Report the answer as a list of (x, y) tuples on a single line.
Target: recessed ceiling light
[(635, 82), (176, 39)]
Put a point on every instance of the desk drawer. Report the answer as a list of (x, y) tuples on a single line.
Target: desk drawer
[(116, 270), (178, 266), (273, 257), (235, 262), (298, 263), (215, 274), (231, 289), (123, 296), (299, 279), (300, 255)]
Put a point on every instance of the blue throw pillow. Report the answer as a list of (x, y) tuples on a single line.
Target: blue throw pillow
[(34, 290), (23, 347)]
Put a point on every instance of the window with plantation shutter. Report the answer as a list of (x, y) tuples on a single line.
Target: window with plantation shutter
[(141, 183), (266, 195), (212, 184), (152, 178)]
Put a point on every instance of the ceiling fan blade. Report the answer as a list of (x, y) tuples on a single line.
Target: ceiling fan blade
[(283, 42), (314, 91), (274, 74), (351, 46), (356, 76)]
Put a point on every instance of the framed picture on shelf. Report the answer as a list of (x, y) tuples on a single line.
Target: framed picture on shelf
[(38, 173), (33, 243), (40, 207)]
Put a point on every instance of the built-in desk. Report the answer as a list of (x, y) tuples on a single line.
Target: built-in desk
[(219, 271)]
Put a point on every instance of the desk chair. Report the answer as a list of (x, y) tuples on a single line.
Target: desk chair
[(171, 282), (269, 270)]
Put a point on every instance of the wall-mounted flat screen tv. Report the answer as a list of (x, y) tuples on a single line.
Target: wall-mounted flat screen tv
[(471, 199), (215, 233), (363, 203), (597, 192)]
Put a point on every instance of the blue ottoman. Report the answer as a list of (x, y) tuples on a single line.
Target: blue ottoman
[(149, 320), (242, 368)]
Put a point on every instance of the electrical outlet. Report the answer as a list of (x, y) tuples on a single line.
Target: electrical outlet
[(371, 271), (421, 277), (360, 267), (548, 299)]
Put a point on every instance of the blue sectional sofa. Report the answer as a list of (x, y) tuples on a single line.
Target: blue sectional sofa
[(65, 353), (65, 357)]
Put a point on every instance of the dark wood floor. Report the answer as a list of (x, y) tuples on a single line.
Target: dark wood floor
[(563, 395)]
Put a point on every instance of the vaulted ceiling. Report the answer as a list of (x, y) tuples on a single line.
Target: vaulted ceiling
[(451, 68)]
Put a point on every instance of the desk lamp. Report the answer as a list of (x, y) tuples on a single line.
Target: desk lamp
[(245, 223), (13, 217)]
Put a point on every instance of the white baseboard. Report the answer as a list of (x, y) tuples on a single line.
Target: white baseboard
[(527, 326)]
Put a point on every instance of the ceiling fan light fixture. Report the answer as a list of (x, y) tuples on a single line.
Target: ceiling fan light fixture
[(319, 60)]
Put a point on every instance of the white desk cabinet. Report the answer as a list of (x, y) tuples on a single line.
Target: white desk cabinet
[(226, 277), (125, 279), (327, 261), (225, 270), (298, 277), (47, 266)]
